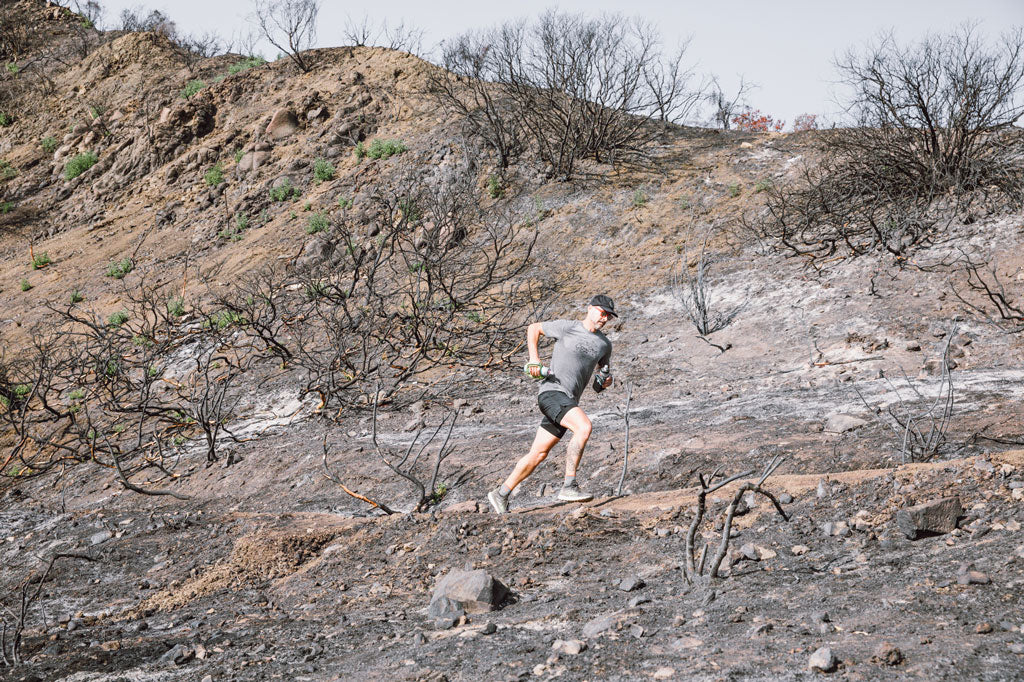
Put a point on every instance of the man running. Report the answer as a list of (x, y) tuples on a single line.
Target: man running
[(579, 348)]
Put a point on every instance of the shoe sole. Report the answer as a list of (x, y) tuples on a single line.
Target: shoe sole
[(495, 505), (581, 498)]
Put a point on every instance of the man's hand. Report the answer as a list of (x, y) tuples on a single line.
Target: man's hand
[(535, 367), (607, 381)]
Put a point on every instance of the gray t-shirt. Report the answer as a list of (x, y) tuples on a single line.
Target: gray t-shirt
[(576, 353)]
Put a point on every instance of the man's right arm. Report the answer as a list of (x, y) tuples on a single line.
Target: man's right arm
[(533, 334)]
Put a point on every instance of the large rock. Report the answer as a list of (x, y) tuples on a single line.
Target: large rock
[(472, 591), (251, 161), (929, 518), (841, 423), (282, 124), (823, 660)]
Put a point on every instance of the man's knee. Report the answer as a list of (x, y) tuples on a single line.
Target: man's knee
[(579, 423)]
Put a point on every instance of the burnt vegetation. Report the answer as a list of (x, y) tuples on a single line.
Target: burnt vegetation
[(932, 139)]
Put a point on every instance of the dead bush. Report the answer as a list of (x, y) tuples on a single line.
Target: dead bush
[(932, 138)]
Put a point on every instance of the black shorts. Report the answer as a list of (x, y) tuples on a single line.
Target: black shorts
[(554, 405)]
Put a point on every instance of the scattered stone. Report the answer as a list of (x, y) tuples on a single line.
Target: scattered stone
[(822, 490), (569, 647), (637, 601), (178, 655), (282, 124), (887, 654), (567, 568), (836, 529), (630, 583), (841, 423), (929, 518), (636, 630), (756, 553), (785, 498), (760, 630), (467, 506), (973, 578), (489, 629), (114, 645), (799, 550), (414, 424), (1017, 648), (610, 621), (207, 678), (664, 673), (983, 628), (419, 639), (913, 346), (473, 591), (823, 660), (100, 538)]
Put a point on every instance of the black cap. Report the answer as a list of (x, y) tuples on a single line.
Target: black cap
[(604, 303)]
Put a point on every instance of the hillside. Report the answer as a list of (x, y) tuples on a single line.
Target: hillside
[(262, 567)]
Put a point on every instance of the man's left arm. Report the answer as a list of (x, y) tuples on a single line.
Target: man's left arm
[(603, 378)]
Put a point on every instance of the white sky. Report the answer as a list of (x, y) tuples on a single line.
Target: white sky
[(786, 47)]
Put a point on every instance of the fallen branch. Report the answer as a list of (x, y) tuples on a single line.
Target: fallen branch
[(333, 478), (625, 449)]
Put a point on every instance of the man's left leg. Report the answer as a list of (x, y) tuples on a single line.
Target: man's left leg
[(576, 421)]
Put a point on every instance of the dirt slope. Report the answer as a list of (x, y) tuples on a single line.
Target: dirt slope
[(270, 571)]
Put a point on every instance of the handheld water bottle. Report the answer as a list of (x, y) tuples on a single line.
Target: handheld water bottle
[(600, 377), (544, 371)]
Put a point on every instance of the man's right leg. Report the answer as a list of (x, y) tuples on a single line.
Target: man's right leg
[(542, 444), (578, 422)]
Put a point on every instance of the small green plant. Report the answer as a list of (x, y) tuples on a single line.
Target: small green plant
[(385, 149), (734, 190), (119, 268), (284, 191), (13, 68), (239, 153), (76, 296), (7, 171), (344, 203), (315, 290), (245, 64), (117, 319), (761, 186), (118, 428), (323, 170), (178, 441), (49, 144), (494, 188), (5, 119), (410, 210), (234, 233), (317, 223), (474, 316), (214, 176), (293, 215), (41, 261), (439, 493), (6, 206), (224, 319), (360, 151), (20, 391), (416, 266), (76, 394), (176, 306), (191, 88), (684, 203), (308, 206), (25, 286), (639, 198), (142, 341), (79, 164)]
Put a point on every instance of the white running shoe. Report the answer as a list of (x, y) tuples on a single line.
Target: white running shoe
[(499, 503), (573, 494)]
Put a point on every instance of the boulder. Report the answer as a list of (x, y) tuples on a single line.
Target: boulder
[(316, 250), (823, 660), (841, 423), (473, 591), (467, 506), (251, 161), (929, 518), (282, 124)]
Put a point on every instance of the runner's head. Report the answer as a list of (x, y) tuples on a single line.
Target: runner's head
[(600, 310)]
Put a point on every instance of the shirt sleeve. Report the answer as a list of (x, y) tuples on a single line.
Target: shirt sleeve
[(554, 328), (606, 359)]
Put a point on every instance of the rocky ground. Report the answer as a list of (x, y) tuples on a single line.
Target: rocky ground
[(271, 571)]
